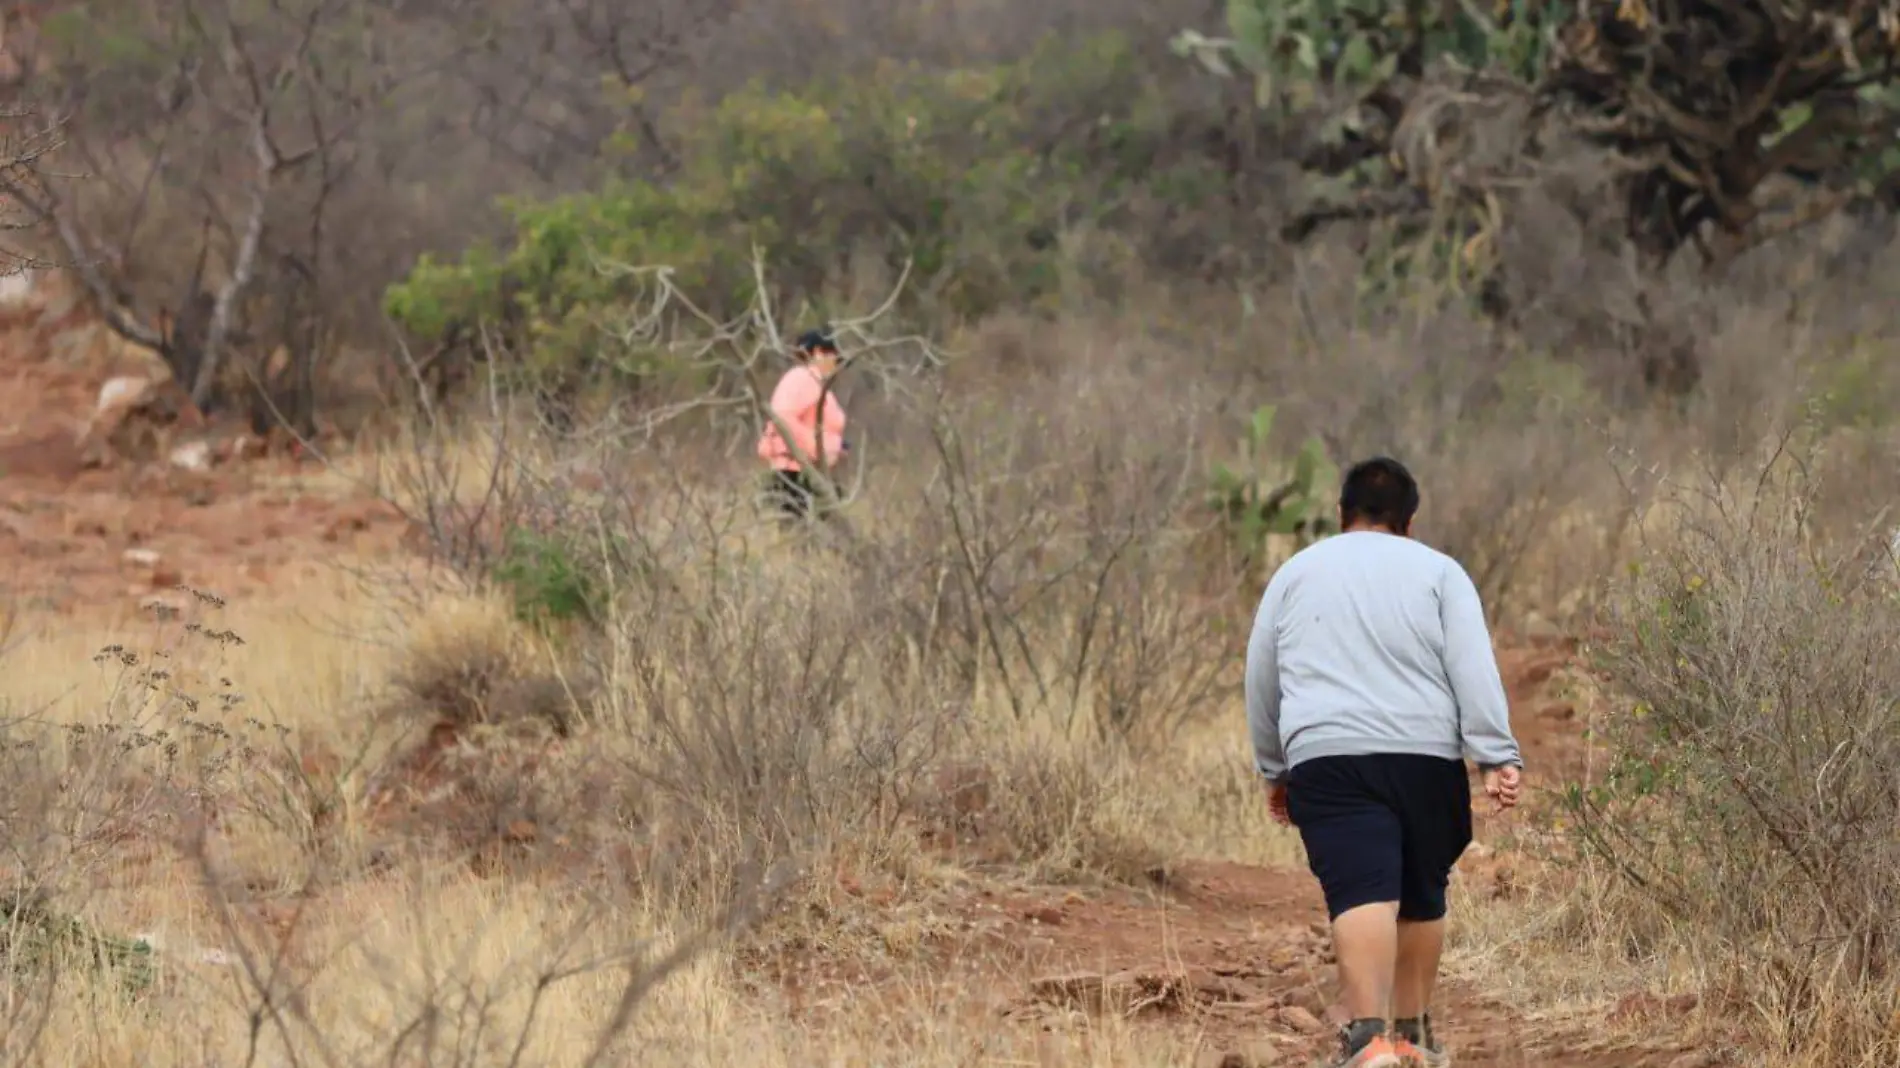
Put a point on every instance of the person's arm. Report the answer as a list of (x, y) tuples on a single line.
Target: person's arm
[(831, 417), (1263, 692), (1484, 712)]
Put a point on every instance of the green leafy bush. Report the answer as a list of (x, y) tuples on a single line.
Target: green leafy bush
[(550, 578), (970, 177), (36, 941)]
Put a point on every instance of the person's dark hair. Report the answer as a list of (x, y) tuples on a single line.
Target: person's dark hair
[(816, 341), (1379, 491)]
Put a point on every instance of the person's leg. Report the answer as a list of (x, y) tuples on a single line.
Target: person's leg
[(788, 494), (1420, 945), (1435, 797), (1354, 847), (1366, 941)]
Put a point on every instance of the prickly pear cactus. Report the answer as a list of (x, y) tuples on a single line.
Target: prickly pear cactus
[(1263, 501)]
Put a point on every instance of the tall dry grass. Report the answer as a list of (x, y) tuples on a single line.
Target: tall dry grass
[(396, 823)]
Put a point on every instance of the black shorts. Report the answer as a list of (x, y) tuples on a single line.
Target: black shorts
[(1382, 827), (790, 493)]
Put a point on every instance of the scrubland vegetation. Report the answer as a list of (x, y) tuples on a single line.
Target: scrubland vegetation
[(612, 770)]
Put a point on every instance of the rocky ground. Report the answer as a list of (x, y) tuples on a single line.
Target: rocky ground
[(108, 499)]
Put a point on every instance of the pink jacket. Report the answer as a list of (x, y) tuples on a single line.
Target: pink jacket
[(796, 401)]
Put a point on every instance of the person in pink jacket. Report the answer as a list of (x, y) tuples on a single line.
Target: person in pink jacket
[(804, 402)]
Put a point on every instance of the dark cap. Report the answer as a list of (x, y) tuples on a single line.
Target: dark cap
[(819, 340)]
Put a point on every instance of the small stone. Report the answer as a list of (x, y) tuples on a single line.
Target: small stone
[(123, 393), (1300, 1020), (141, 558), (192, 456), (1285, 959)]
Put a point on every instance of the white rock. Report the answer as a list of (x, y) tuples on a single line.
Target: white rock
[(17, 289), (192, 456), (145, 558), (125, 391)]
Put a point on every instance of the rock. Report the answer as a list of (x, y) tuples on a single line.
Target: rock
[(123, 393), (1308, 1000), (1302, 1021), (192, 456), (1044, 915), (147, 559), (1285, 959), (18, 292), (244, 447), (1219, 990), (158, 575)]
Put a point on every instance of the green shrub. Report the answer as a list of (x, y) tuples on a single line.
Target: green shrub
[(550, 578), (968, 176), (36, 941)]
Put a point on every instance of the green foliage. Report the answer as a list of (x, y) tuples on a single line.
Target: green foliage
[(36, 941), (1344, 69), (968, 176), (1260, 499), (550, 578), (1299, 52)]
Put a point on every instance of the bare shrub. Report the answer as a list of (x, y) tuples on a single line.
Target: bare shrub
[(1014, 560), (1753, 801)]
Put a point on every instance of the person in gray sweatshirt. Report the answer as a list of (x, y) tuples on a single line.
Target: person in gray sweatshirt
[(1370, 678)]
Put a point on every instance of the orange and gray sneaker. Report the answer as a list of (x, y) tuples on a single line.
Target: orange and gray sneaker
[(1363, 1044), (1417, 1045)]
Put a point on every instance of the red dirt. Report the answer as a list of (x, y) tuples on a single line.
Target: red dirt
[(241, 527), (1236, 957)]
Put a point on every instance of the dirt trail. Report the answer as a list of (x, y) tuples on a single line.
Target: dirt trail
[(1231, 960), (1241, 956), (1237, 959)]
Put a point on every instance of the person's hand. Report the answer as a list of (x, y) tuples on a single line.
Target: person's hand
[(1276, 804), (1503, 785)]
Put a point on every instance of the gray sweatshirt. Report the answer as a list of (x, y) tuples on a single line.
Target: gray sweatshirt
[(1372, 643)]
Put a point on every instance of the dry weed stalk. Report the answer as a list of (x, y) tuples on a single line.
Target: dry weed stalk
[(1753, 803)]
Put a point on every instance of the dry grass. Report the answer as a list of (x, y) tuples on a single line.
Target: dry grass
[(415, 830), (430, 962)]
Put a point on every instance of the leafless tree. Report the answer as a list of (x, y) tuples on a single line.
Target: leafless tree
[(212, 156)]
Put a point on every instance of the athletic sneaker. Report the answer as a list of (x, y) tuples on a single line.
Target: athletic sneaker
[(1418, 1045), (1357, 1052), (1412, 1054)]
